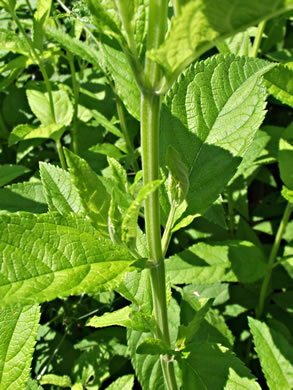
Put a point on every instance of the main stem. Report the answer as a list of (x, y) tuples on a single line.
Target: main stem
[(150, 120)]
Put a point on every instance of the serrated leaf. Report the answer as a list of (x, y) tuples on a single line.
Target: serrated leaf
[(61, 194), (33, 385), (125, 382), (226, 372), (215, 126), (40, 106), (151, 346), (239, 44), (41, 17), (122, 74), (25, 196), (94, 197), (178, 181), (46, 256), (19, 326), (275, 355), (9, 172), (126, 317), (25, 131), (148, 367), (12, 42), (201, 25), (207, 263), (129, 223), (285, 160), (280, 84), (118, 173), (79, 48)]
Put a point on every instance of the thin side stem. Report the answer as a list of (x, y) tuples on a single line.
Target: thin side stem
[(168, 230), (39, 61), (75, 88), (258, 38), (272, 258), (177, 7), (231, 211), (61, 155)]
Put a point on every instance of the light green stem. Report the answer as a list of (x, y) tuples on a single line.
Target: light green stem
[(75, 87), (168, 230), (61, 155), (150, 119), (177, 7), (39, 61), (258, 38), (272, 258)]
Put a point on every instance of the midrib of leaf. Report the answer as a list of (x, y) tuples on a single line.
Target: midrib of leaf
[(197, 374)]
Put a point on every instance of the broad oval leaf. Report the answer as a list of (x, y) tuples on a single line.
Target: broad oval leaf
[(19, 326), (46, 256), (211, 117)]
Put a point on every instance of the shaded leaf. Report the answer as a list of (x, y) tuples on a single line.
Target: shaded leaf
[(9, 172)]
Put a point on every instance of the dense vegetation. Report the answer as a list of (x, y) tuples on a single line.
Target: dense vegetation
[(146, 190)]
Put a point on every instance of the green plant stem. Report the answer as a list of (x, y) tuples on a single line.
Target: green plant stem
[(75, 88), (61, 155), (231, 211), (150, 119), (177, 7), (39, 61), (129, 145), (272, 258), (168, 230), (29, 6), (258, 38)]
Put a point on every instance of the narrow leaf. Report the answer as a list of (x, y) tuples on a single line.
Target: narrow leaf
[(19, 326), (94, 197), (275, 355), (46, 256), (41, 17), (61, 194)]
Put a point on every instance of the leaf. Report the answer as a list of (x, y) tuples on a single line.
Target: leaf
[(19, 326), (9, 172), (47, 256), (27, 196), (151, 346), (61, 194), (129, 223), (12, 42), (56, 380), (125, 382), (207, 263), (40, 106), (178, 185), (93, 195), (280, 84), (239, 44), (24, 132), (287, 194), (148, 367), (127, 317), (226, 372), (201, 25), (275, 355), (33, 385), (118, 173), (285, 160), (41, 17), (79, 48), (215, 125), (122, 74)]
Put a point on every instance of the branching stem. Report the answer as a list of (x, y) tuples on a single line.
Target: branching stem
[(258, 38)]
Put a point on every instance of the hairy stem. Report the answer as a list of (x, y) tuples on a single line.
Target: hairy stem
[(258, 38), (150, 119), (272, 258)]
